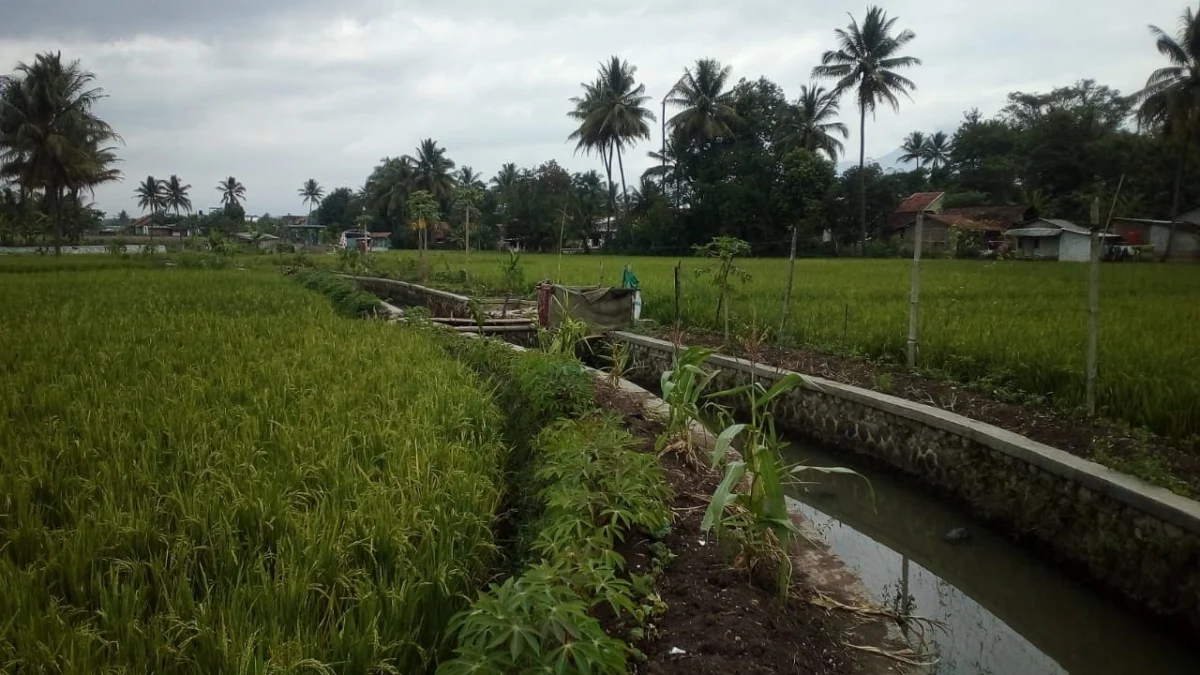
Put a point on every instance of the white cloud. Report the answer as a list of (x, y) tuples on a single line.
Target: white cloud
[(276, 92)]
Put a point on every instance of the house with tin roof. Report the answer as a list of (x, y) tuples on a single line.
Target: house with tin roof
[(941, 224)]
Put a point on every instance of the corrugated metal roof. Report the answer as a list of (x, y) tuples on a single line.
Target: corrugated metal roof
[(1063, 225), (1034, 232), (918, 202)]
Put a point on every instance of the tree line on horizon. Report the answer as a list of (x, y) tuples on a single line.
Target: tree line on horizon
[(739, 159)]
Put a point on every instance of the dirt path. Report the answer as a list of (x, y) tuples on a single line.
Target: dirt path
[(720, 621)]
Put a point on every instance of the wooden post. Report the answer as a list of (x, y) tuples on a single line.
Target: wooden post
[(914, 299), (678, 293), (845, 327), (787, 296), (1093, 309), (562, 226)]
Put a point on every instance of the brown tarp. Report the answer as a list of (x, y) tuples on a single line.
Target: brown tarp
[(602, 309)]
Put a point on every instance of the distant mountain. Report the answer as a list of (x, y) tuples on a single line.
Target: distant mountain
[(889, 162)]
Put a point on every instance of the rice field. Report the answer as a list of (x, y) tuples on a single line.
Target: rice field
[(210, 472), (1016, 326)]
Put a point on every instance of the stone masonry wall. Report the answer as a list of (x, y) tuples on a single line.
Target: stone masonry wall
[(440, 303), (1139, 541)]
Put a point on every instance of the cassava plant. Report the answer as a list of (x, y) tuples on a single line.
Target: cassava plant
[(725, 250)]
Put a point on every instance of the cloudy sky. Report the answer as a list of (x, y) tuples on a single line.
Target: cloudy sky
[(277, 91)]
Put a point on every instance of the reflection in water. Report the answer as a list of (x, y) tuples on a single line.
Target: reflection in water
[(1004, 610)]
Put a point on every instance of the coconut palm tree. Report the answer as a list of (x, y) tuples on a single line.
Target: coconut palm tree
[(1170, 101), (589, 135), (468, 177), (175, 194), (431, 170), (50, 140), (866, 61), (388, 187), (612, 115), (232, 191), (151, 195), (311, 192), (809, 124), (505, 178), (914, 148), (707, 107), (936, 149)]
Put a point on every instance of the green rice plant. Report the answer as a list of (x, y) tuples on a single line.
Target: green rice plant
[(1014, 325), (682, 389), (209, 471)]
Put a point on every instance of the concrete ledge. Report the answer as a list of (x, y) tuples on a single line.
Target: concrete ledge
[(1136, 493), (412, 288)]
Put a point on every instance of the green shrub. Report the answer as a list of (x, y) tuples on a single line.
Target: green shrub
[(595, 488), (345, 294)]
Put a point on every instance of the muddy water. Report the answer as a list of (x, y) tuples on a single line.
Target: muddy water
[(1004, 611)]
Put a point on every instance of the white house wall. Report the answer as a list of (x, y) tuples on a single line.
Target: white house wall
[(1074, 247), (1185, 244)]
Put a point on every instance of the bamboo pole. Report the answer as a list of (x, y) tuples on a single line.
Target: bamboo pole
[(787, 296), (914, 301), (678, 292), (1093, 309)]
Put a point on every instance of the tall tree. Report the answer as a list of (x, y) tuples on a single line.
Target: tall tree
[(613, 115), (432, 170), (914, 148), (466, 176), (505, 178), (151, 195), (810, 124), (50, 139), (311, 193), (936, 149), (591, 135), (707, 112), (1170, 101), (865, 62), (423, 211), (386, 191), (232, 191), (175, 194)]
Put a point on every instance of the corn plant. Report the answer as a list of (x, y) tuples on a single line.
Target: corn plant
[(682, 389), (749, 502), (618, 360)]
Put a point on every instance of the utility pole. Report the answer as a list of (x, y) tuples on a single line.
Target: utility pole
[(914, 300)]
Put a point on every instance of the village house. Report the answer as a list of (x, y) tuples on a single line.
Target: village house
[(373, 241), (302, 230), (259, 240), (941, 223), (1053, 239), (146, 227), (1184, 235)]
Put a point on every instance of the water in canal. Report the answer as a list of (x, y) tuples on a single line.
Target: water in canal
[(1005, 611)]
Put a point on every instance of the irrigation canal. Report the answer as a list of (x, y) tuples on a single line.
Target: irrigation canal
[(1004, 611)]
